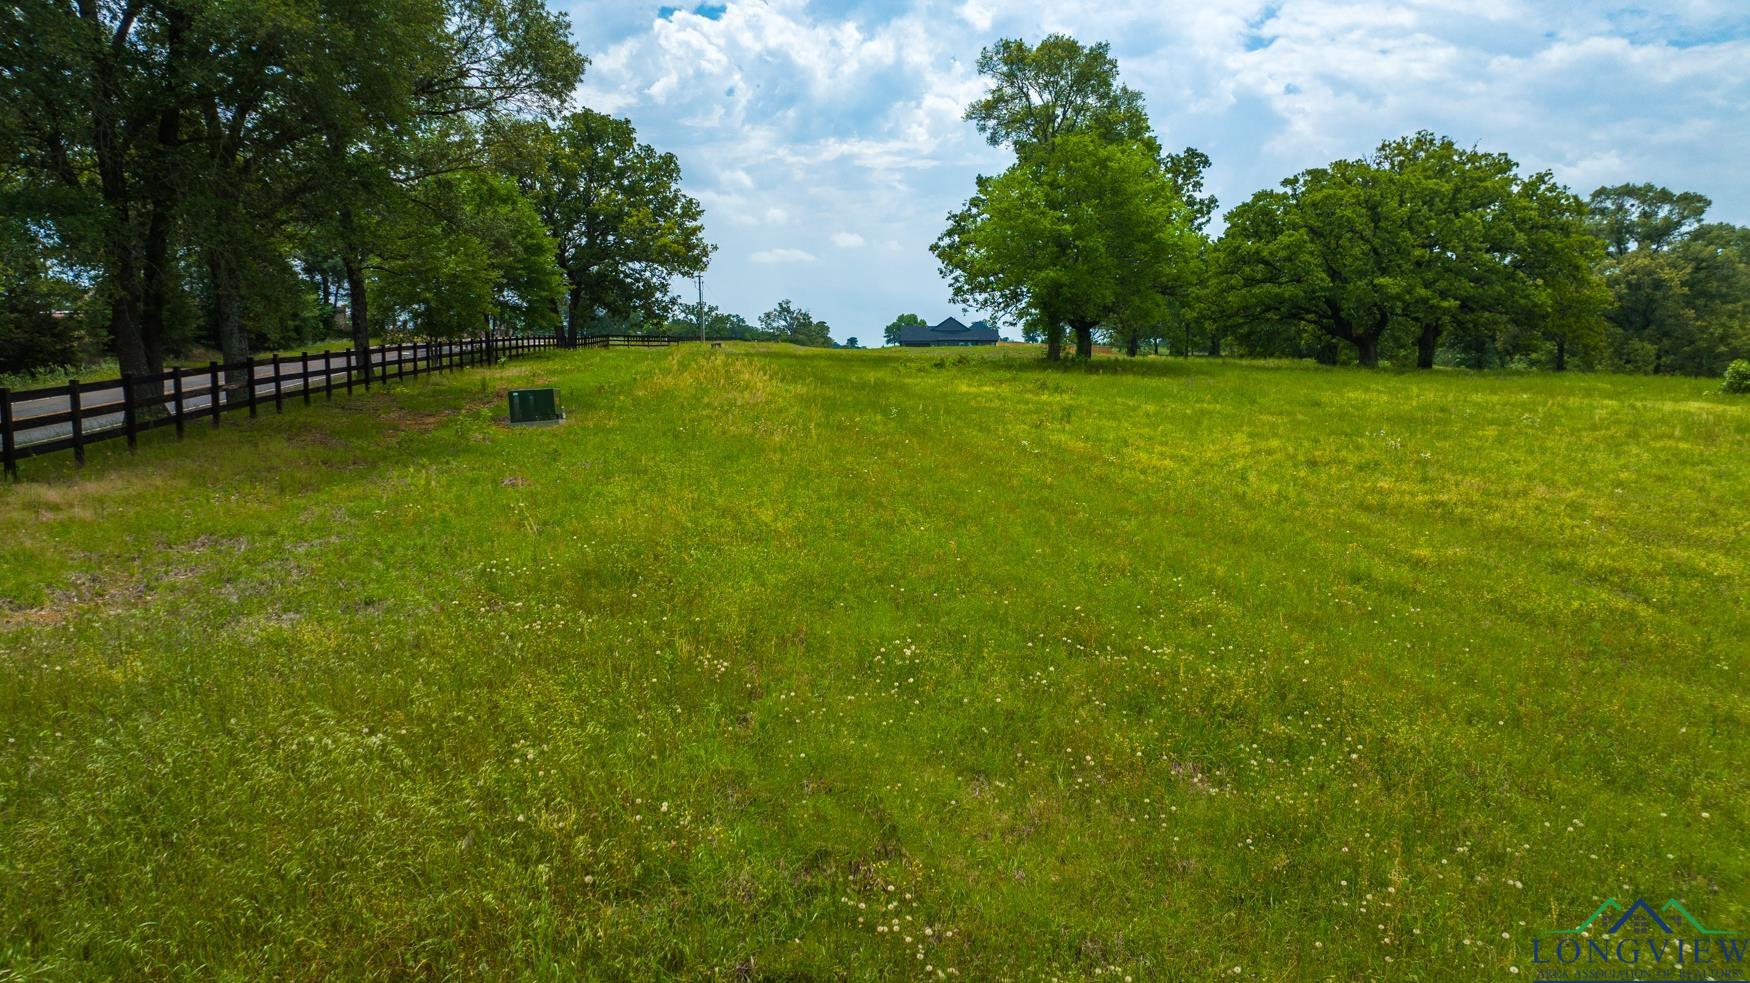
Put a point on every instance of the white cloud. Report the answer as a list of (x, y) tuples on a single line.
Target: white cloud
[(796, 116), (977, 13), (771, 257), (847, 240)]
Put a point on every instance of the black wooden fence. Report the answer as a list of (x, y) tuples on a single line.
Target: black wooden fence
[(69, 417)]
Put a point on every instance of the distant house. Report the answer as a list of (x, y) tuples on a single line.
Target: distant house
[(950, 333)]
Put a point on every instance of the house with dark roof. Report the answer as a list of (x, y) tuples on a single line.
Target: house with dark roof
[(949, 334)]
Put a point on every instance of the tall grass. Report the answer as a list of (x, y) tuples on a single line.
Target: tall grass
[(880, 664)]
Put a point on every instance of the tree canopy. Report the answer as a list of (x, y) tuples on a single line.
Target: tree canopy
[(1091, 226), (191, 158), (788, 322), (622, 225), (1422, 240), (1040, 92)]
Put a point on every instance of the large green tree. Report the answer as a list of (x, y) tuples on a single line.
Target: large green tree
[(472, 256), (623, 227), (209, 134), (1060, 105), (1080, 234), (1422, 240)]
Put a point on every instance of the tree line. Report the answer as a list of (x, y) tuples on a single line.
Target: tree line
[(243, 176), (1421, 252)]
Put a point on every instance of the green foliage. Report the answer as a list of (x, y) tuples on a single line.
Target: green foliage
[(1680, 287), (790, 323), (1079, 233), (1090, 186), (42, 323), (469, 255), (614, 206), (890, 335), (1060, 86), (685, 684), (196, 148), (718, 323), (1423, 240), (1630, 217), (1737, 377)]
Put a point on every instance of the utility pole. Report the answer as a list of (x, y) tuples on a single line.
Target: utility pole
[(699, 281)]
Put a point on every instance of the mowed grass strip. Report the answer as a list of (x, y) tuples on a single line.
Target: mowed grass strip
[(882, 665)]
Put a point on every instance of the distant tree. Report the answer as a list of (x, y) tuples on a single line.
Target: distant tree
[(1680, 286), (790, 323), (624, 228), (891, 334), (718, 323), (1422, 240), (1685, 307), (1080, 234), (851, 342), (1628, 217)]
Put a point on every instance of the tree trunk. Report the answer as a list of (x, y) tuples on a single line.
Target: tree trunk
[(1054, 342), (1367, 350), (1561, 354), (1214, 344), (1134, 344), (228, 315), (1426, 344), (357, 312), (573, 304), (1084, 340)]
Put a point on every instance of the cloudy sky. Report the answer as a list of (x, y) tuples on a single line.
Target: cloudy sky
[(824, 136)]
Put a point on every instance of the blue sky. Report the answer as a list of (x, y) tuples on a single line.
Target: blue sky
[(824, 138)]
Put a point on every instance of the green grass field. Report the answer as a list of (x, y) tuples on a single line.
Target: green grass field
[(782, 663)]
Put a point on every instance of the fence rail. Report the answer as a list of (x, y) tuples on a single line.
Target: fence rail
[(71, 417)]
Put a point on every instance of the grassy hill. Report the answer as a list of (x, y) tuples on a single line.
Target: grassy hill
[(772, 661)]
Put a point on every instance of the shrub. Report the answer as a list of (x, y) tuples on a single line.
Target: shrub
[(1737, 377)]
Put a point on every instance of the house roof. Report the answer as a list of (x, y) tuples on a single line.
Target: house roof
[(949, 330)]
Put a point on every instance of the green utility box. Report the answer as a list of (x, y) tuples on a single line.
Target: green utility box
[(534, 406)]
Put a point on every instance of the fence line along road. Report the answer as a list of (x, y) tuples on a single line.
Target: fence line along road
[(58, 418)]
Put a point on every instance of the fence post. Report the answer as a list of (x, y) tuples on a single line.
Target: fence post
[(328, 374), (351, 369), (304, 375), (279, 403), (8, 453), (78, 424), (365, 369), (176, 395), (129, 425), (249, 370), (213, 392)]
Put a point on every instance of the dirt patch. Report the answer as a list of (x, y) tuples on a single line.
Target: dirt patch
[(83, 592)]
